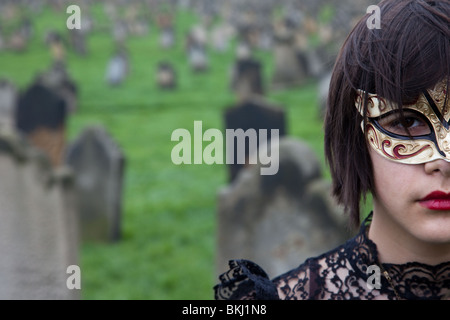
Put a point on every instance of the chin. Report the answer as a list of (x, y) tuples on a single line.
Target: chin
[(435, 230)]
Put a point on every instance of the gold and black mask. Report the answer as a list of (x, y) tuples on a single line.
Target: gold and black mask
[(419, 134)]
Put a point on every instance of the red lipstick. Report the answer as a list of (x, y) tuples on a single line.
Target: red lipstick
[(436, 200)]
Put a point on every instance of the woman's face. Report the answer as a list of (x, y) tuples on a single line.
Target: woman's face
[(414, 198)]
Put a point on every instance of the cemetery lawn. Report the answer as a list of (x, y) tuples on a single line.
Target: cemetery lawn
[(167, 250)]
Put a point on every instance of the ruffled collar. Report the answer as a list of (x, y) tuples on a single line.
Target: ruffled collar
[(412, 280)]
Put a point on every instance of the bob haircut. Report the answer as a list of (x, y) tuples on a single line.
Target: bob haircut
[(408, 54)]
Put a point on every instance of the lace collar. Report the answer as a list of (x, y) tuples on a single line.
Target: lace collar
[(412, 280)]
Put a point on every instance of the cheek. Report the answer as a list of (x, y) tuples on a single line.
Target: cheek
[(391, 179)]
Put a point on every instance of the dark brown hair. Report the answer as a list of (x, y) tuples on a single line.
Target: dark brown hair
[(408, 54)]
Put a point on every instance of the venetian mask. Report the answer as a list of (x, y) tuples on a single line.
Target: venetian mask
[(422, 136)]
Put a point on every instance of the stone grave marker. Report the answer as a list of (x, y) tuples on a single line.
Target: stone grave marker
[(119, 31), (254, 113), (288, 70), (39, 235), (278, 221), (167, 37), (117, 68), (322, 92), (56, 43), (198, 59), (78, 41), (8, 102), (98, 165), (246, 78), (166, 77)]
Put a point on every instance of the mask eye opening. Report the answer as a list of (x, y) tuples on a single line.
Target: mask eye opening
[(399, 118)]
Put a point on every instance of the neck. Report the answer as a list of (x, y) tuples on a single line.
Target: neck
[(397, 246)]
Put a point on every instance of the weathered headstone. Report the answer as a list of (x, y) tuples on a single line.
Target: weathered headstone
[(323, 89), (198, 58), (246, 78), (167, 37), (18, 42), (56, 43), (117, 68), (98, 165), (119, 31), (39, 235), (220, 37), (78, 41), (288, 71), (280, 220), (166, 77), (8, 102), (254, 113), (3, 44), (41, 117)]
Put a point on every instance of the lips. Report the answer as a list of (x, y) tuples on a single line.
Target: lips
[(436, 200)]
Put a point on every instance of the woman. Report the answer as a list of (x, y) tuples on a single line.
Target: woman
[(387, 133)]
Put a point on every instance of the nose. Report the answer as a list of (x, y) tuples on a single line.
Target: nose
[(438, 167)]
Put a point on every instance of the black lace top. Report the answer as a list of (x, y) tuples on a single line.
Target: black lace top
[(340, 274)]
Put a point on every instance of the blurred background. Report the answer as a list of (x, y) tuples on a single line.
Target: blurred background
[(87, 117)]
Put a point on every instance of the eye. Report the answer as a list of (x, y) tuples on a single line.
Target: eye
[(412, 122)]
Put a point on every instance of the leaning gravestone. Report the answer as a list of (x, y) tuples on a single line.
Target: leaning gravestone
[(322, 92), (167, 38), (288, 70), (198, 59), (117, 68), (98, 166), (166, 77), (41, 117), (280, 220), (56, 43), (246, 78), (254, 113), (39, 237)]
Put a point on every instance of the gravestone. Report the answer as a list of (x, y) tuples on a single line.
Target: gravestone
[(39, 235), (78, 41), (3, 44), (246, 78), (254, 113), (198, 59), (221, 37), (167, 37), (8, 102), (322, 92), (98, 165), (265, 39), (18, 42), (41, 117), (166, 77), (278, 221), (57, 45), (119, 31), (288, 70), (117, 68)]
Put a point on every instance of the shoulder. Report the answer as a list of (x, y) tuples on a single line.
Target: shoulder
[(307, 281), (246, 280)]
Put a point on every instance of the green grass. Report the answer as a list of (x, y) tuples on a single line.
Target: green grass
[(169, 212)]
